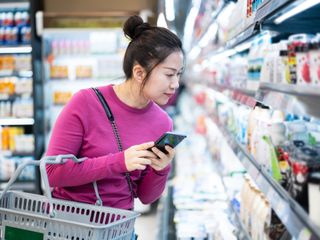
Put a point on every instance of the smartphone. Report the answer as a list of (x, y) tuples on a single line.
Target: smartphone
[(169, 138)]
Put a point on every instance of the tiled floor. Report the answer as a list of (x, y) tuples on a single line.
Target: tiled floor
[(146, 226)]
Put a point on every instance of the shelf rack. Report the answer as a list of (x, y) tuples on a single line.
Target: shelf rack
[(242, 232), (16, 121), (291, 214), (16, 50), (294, 99), (264, 20)]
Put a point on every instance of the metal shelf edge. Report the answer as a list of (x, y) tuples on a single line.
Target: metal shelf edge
[(16, 121), (299, 90), (280, 200), (15, 49), (268, 8)]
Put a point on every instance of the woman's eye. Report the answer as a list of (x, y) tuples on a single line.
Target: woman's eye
[(170, 75)]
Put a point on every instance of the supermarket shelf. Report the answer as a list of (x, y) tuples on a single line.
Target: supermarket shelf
[(243, 91), (307, 21), (245, 35), (6, 153), (297, 90), (166, 227), (242, 96), (299, 100), (28, 186), (241, 231), (13, 73), (269, 7), (11, 5), (16, 121), (15, 50), (291, 214)]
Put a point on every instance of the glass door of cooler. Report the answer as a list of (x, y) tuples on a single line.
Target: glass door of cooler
[(74, 59), (17, 141)]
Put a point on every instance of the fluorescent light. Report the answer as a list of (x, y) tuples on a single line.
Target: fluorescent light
[(161, 22), (209, 35), (169, 5), (194, 53), (189, 24), (304, 5), (188, 28)]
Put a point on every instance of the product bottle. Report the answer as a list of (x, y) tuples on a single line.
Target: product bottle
[(281, 65), (314, 53), (303, 70)]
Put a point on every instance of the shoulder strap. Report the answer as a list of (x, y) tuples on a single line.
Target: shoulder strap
[(104, 104), (116, 133)]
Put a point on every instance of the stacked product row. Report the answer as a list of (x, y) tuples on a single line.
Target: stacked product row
[(14, 27), (291, 61)]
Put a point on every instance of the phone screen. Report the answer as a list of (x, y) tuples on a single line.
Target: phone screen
[(169, 138)]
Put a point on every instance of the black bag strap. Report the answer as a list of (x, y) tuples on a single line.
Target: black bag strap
[(115, 131)]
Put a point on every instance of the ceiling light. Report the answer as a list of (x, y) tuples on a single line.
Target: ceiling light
[(169, 5), (161, 22), (302, 6)]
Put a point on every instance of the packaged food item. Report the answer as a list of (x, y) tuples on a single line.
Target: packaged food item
[(303, 69)]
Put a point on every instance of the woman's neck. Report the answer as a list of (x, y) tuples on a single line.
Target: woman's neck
[(129, 93)]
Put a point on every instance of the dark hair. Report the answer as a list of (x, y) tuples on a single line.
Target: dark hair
[(149, 46)]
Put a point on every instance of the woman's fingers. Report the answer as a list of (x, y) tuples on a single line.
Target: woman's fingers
[(143, 146)]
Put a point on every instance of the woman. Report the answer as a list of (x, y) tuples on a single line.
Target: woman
[(152, 64)]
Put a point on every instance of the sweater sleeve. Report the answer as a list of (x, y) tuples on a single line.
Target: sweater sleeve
[(152, 182), (152, 185), (66, 138)]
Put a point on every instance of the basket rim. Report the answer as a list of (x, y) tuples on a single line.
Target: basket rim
[(60, 220), (131, 214)]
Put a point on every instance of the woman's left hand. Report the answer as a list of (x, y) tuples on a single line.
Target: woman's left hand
[(164, 159)]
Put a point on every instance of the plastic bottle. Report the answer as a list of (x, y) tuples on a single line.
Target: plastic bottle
[(314, 54), (303, 69)]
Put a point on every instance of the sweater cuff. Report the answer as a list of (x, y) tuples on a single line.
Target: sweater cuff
[(118, 164), (164, 171)]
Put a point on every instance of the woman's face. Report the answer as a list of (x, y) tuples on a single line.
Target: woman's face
[(164, 79)]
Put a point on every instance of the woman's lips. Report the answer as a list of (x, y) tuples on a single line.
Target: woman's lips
[(169, 94)]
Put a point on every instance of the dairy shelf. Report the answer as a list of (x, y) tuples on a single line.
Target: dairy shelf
[(288, 210)]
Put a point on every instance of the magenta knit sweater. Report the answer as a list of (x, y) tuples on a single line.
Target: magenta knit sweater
[(83, 129)]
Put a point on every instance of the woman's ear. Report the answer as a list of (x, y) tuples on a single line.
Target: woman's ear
[(138, 73)]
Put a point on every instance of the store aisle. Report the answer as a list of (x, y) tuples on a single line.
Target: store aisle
[(146, 226)]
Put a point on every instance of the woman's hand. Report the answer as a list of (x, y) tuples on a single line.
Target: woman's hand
[(138, 157), (162, 160)]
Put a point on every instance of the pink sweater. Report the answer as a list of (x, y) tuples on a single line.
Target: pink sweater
[(83, 129)]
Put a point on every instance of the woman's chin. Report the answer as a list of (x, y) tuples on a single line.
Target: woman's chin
[(161, 102)]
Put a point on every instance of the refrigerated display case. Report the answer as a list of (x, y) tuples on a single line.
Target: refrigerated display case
[(266, 59), (78, 58), (18, 120)]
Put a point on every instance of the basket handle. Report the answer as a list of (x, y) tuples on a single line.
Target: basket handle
[(59, 159)]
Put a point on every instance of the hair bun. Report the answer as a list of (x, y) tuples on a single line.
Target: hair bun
[(134, 26)]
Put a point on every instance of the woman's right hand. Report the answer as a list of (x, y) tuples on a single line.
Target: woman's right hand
[(138, 157)]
